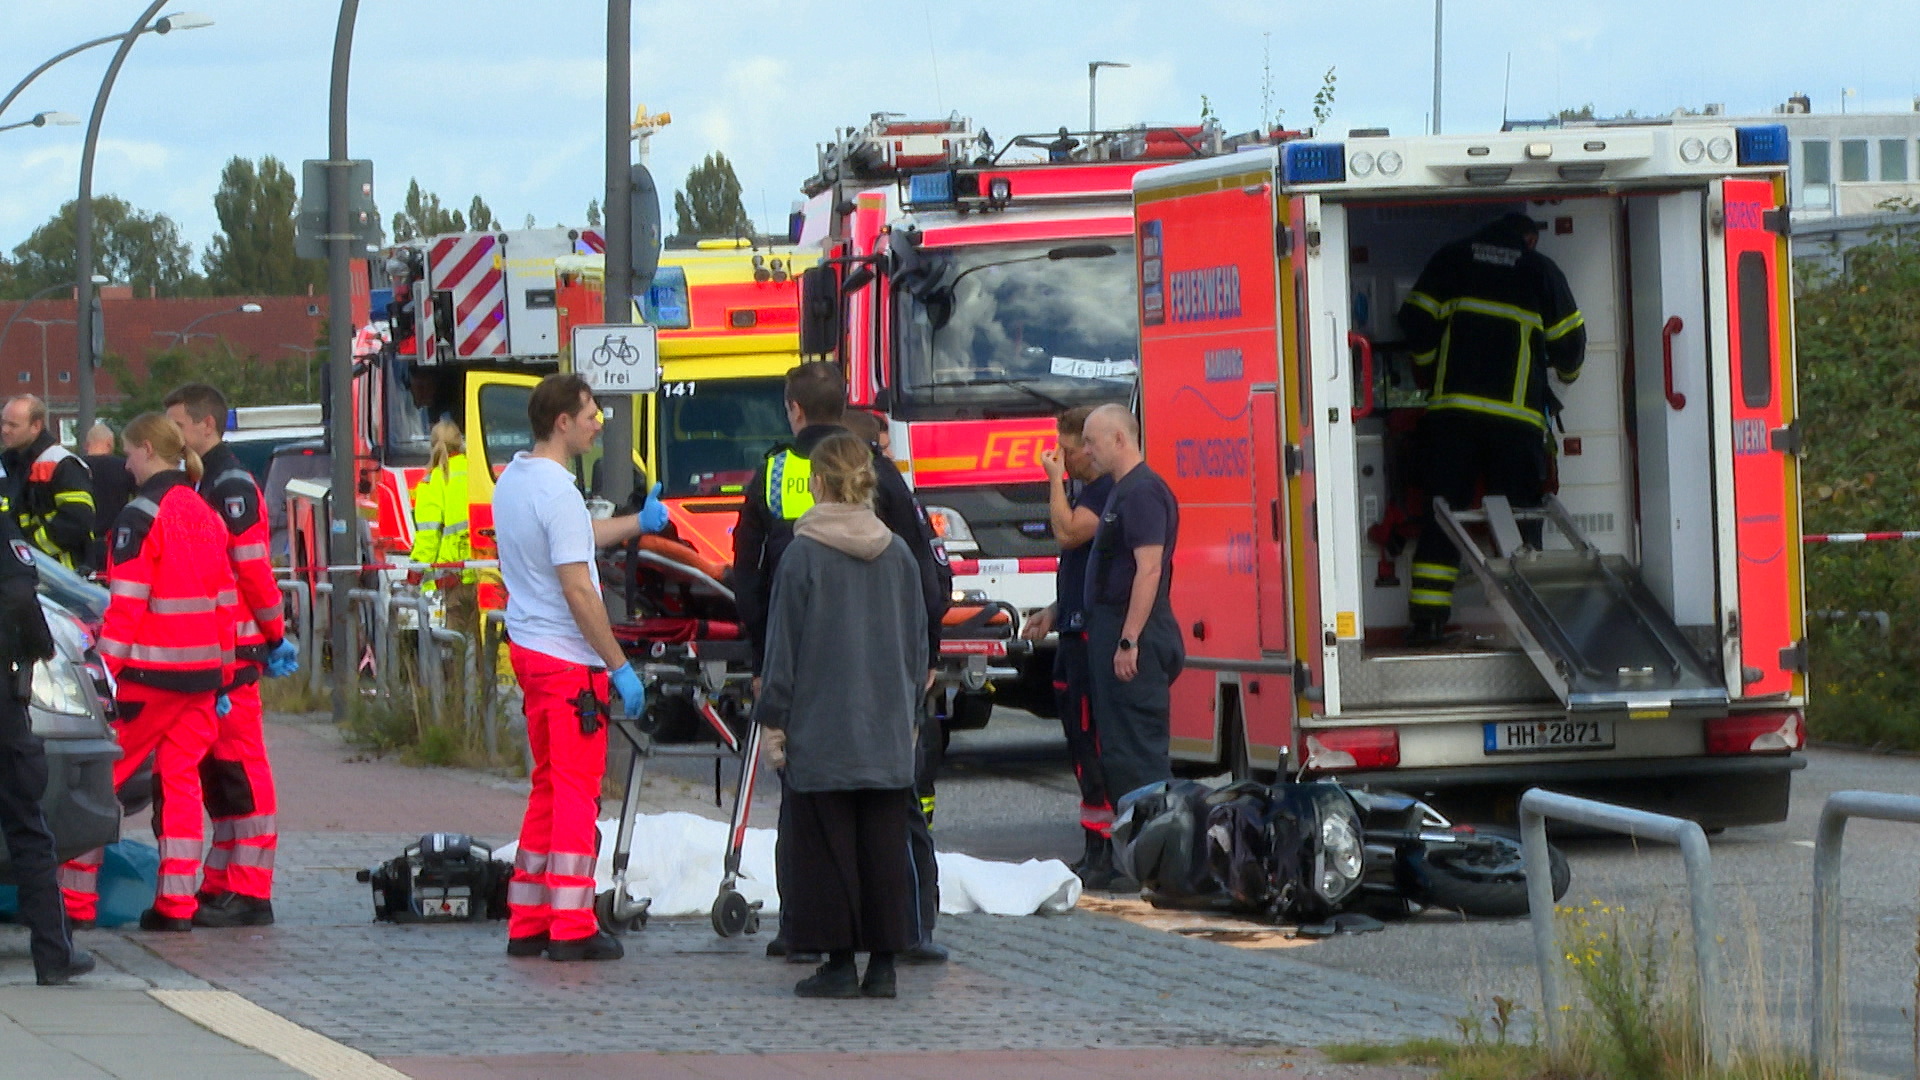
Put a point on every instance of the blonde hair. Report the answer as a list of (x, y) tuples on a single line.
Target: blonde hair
[(447, 442), (844, 465), (158, 434)]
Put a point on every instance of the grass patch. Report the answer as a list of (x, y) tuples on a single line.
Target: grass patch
[(293, 695), (424, 729)]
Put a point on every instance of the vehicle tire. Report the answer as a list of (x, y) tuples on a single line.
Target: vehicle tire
[(676, 720), (1486, 879)]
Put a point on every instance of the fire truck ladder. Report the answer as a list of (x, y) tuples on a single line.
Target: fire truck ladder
[(1589, 624)]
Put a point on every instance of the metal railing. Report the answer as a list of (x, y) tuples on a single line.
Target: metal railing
[(1536, 806), (1841, 807)]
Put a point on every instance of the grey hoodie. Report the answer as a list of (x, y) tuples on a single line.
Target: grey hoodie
[(846, 653)]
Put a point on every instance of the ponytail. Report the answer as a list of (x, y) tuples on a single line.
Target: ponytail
[(195, 468), (447, 442)]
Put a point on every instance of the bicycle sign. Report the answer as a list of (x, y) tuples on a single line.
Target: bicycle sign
[(617, 359)]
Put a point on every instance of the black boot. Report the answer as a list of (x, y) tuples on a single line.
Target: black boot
[(837, 978), (1101, 875), (879, 981), (1426, 631), (1095, 844), (153, 920), (600, 946), (77, 965), (232, 909)]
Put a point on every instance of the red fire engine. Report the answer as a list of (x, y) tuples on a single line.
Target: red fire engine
[(972, 293), (1651, 650)]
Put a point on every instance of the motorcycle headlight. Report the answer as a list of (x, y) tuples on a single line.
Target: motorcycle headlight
[(1342, 846)]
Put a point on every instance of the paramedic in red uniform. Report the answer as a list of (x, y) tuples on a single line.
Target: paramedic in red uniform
[(567, 660), (1076, 497), (237, 777), (168, 639), (1487, 318)]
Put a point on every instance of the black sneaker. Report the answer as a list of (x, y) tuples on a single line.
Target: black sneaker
[(229, 910), (531, 945), (777, 947), (880, 981), (601, 946), (78, 964), (926, 952), (833, 980), (153, 920)]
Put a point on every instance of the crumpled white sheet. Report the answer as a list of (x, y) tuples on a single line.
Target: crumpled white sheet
[(677, 860)]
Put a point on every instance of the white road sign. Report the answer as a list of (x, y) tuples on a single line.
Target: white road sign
[(617, 359)]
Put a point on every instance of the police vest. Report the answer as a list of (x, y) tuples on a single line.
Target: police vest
[(789, 487)]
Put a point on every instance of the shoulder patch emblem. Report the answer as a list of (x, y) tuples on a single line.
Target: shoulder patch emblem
[(236, 507), (23, 551), (122, 536)]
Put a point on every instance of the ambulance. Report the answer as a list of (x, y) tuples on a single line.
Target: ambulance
[(1651, 650)]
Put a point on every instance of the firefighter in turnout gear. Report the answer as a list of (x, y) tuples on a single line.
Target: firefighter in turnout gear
[(49, 487), (776, 498), (168, 639), (236, 777), (1485, 321)]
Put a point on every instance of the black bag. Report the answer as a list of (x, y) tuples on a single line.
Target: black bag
[(443, 877)]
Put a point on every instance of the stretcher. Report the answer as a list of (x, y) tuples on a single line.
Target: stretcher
[(685, 641)]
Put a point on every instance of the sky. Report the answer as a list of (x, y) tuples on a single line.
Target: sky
[(505, 100)]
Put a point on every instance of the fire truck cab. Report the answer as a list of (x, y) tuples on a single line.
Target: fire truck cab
[(1651, 649), (972, 292)]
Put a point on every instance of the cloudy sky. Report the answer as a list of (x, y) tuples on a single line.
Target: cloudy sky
[(504, 99)]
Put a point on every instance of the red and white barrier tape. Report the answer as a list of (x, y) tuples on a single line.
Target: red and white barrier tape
[(364, 568), (1043, 565), (1859, 538)]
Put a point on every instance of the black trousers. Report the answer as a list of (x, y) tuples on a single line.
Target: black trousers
[(926, 866), (23, 783), (1468, 455), (848, 876), (1073, 694), (1131, 718)]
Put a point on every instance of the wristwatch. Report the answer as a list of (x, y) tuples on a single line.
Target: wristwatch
[(1126, 644)]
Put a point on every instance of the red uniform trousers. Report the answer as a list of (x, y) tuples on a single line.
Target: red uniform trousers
[(552, 888), (176, 729), (237, 781)]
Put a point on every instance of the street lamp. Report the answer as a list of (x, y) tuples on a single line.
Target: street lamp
[(83, 205), (181, 335), (42, 119), (184, 20), (307, 353), (1093, 72), (46, 380), (98, 279)]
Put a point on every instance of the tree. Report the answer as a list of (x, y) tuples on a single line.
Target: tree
[(246, 379), (593, 213), (422, 216), (710, 206), (1323, 99), (130, 247), (253, 252), (1584, 112), (479, 217)]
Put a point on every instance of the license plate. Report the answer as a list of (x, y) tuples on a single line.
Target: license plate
[(1549, 736)]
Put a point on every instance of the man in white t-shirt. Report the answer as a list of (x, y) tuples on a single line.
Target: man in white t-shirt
[(566, 658)]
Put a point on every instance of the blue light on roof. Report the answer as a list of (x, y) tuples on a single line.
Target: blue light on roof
[(930, 189), (1762, 144), (1314, 163)]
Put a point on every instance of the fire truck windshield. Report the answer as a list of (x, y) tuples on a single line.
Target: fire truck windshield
[(1011, 330), (714, 433)]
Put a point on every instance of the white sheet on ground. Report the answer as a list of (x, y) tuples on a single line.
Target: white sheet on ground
[(677, 859)]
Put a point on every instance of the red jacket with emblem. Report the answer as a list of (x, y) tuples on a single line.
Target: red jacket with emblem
[(260, 622), (169, 624)]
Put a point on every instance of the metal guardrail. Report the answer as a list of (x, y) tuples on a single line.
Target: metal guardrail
[(1841, 807), (1536, 806)]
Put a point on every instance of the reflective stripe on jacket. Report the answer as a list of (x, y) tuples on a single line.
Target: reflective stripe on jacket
[(53, 499), (170, 618), (440, 530)]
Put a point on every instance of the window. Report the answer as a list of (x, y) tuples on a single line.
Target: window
[(1853, 160), (504, 423), (1756, 325), (1816, 162), (1893, 159), (66, 376), (26, 376)]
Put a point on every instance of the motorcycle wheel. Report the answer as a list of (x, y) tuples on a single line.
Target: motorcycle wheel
[(1486, 876)]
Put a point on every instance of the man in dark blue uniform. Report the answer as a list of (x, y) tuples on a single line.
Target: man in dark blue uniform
[(1487, 318)]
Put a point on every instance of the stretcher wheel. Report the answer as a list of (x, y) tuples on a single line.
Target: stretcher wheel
[(733, 916), (603, 909)]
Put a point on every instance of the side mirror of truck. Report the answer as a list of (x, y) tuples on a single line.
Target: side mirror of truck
[(819, 312)]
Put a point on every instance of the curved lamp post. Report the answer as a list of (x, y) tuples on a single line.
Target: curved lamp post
[(98, 279), (185, 20), (83, 205), (181, 335), (63, 119)]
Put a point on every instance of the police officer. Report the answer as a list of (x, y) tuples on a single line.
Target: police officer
[(1487, 318), (816, 395), (50, 486), (24, 638)]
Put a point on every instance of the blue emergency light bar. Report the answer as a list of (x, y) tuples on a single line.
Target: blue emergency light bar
[(930, 189), (1313, 163), (1764, 144)]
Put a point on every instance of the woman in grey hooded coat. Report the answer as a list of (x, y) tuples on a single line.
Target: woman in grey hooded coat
[(842, 681)]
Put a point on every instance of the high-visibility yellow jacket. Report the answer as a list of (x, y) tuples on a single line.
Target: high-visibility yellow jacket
[(440, 517)]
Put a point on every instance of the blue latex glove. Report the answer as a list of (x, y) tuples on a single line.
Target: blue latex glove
[(283, 659), (626, 683), (653, 514), (222, 705)]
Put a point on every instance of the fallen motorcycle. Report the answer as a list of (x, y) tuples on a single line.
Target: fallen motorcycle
[(1302, 852)]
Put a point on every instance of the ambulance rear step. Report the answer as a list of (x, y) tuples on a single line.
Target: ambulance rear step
[(1598, 637)]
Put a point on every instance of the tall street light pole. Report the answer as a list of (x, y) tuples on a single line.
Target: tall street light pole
[(83, 205), (42, 119), (22, 309), (181, 335), (342, 501), (46, 378), (616, 441), (1093, 72), (1437, 12)]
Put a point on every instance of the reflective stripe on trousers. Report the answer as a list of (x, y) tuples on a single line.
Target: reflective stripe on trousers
[(561, 823), (241, 801)]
